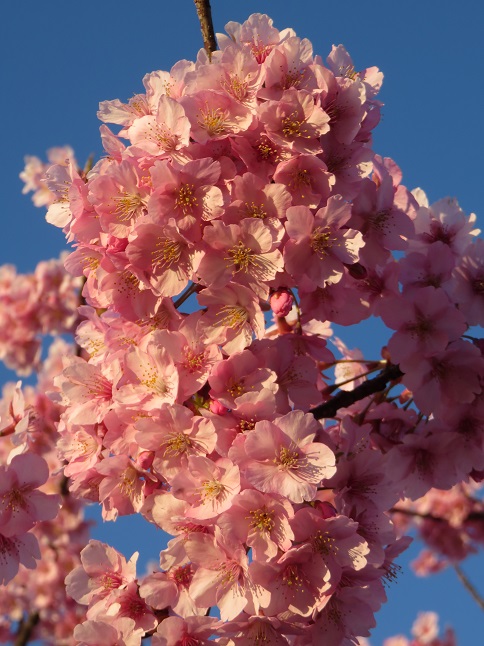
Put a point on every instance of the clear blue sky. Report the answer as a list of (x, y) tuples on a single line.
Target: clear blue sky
[(60, 58)]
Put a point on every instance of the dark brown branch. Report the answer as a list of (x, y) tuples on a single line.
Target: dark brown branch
[(469, 587), (345, 398), (204, 12), (25, 629), (477, 516)]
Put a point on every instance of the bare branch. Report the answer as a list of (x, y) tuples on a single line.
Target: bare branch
[(345, 398), (204, 12), (25, 629)]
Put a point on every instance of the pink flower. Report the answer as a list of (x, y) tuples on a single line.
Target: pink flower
[(174, 631), (120, 632), (163, 134), (320, 245), (214, 115), (453, 375), (173, 435), (246, 253), (208, 486), (282, 457), (119, 196), (186, 193), (233, 316), (103, 571), (468, 283), (164, 258), (307, 179), (88, 389), (295, 121), (234, 379), (222, 576), (21, 503), (425, 320), (23, 548), (295, 582), (261, 521)]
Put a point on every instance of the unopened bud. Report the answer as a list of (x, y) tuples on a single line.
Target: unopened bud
[(281, 302), (145, 459), (217, 408)]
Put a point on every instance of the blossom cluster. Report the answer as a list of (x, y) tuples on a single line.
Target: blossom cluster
[(425, 631), (34, 532), (32, 305), (234, 187)]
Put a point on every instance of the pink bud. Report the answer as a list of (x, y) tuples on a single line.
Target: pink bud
[(281, 302), (217, 408), (327, 510), (145, 459)]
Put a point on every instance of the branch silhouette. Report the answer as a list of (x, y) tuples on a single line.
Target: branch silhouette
[(345, 398)]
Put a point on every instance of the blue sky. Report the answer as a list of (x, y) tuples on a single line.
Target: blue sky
[(59, 59)]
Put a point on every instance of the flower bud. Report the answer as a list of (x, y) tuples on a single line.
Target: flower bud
[(281, 302), (145, 459), (217, 408)]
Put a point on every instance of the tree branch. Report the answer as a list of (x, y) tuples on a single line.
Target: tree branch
[(204, 12), (345, 398), (469, 587), (471, 516), (26, 628)]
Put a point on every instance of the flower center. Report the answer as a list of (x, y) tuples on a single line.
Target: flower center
[(186, 201), (246, 425), (193, 361), (234, 316), (292, 78), (182, 575), (291, 577), (262, 520), (240, 256), (177, 444), (166, 253), (110, 580), (255, 211), (234, 86), (127, 206), (236, 389), (323, 543), (379, 221), (213, 490), (321, 241), (163, 138), (287, 458), (292, 127), (212, 120), (14, 500), (299, 179), (153, 381), (265, 151)]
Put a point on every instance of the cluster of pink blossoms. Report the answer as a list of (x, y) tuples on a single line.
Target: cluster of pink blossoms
[(31, 305), (34, 532), (425, 631), (235, 186)]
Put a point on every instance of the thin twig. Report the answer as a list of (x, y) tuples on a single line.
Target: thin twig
[(204, 12), (345, 398), (469, 587)]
